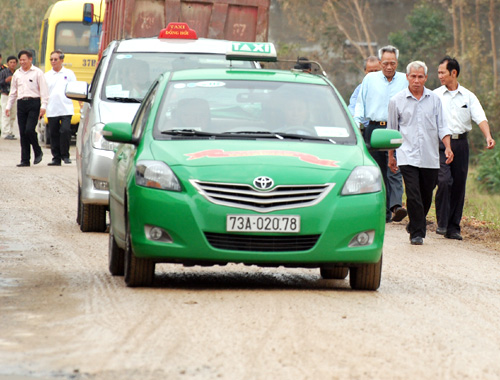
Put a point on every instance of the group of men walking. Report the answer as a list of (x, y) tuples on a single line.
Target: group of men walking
[(29, 94), (435, 151)]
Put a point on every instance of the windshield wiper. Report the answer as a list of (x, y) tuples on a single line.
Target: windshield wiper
[(281, 136), (188, 132), (304, 137), (125, 100)]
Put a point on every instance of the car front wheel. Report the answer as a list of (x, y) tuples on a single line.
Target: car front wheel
[(138, 271), (366, 276), (92, 218), (116, 256)]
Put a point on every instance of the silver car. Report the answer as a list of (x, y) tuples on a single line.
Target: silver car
[(122, 79)]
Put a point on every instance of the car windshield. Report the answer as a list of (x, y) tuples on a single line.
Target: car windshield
[(130, 74), (252, 109)]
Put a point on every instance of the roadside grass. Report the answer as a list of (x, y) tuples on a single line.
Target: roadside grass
[(481, 216)]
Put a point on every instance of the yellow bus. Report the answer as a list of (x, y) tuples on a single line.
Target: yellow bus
[(63, 29)]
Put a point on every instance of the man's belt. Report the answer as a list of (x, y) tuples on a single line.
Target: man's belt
[(381, 123), (27, 98), (459, 136)]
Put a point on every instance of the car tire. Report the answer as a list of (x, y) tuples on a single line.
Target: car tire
[(78, 207), (138, 271), (335, 273), (92, 217), (366, 276), (116, 256)]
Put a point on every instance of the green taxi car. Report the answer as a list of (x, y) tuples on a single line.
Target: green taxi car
[(260, 167)]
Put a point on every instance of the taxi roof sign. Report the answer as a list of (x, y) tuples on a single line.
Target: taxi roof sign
[(254, 51), (178, 30)]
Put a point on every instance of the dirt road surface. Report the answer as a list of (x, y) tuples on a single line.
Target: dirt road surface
[(63, 316)]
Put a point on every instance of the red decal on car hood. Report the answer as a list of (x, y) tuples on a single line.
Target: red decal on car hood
[(220, 153)]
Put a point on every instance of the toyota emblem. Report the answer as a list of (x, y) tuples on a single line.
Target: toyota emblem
[(263, 183)]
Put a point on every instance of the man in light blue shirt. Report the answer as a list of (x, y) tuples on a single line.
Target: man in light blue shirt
[(372, 104), (417, 113), (371, 65)]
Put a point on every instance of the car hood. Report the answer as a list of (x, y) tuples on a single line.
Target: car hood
[(237, 160), (119, 112)]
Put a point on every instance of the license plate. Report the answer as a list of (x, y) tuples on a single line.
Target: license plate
[(260, 223)]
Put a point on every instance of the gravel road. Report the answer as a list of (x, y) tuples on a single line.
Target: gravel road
[(63, 316)]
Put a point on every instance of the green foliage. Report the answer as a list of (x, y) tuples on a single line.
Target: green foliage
[(488, 171), (427, 39), (20, 24)]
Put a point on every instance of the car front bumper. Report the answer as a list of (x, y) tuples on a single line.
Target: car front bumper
[(188, 218)]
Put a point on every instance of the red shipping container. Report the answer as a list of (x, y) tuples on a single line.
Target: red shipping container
[(235, 20)]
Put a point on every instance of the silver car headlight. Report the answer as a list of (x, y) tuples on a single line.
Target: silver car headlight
[(363, 180), (98, 140), (156, 174)]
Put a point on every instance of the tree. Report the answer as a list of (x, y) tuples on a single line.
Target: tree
[(20, 24), (427, 39), (491, 19), (338, 33)]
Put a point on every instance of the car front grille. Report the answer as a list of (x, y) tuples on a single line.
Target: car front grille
[(246, 197), (261, 243)]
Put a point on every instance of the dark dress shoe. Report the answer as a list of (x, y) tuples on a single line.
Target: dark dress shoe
[(54, 163), (67, 160), (399, 214), (38, 159), (454, 235), (23, 164), (417, 240), (441, 231)]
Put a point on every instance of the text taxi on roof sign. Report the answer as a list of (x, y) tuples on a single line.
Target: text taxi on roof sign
[(236, 165)]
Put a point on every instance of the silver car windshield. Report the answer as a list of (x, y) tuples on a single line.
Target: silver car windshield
[(255, 108), (131, 74)]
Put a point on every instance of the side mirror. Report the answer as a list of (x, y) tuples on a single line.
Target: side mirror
[(385, 139), (119, 132), (78, 90), (88, 14)]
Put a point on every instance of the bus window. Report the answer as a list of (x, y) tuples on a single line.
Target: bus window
[(76, 38)]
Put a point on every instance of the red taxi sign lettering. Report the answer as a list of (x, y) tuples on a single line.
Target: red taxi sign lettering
[(178, 30), (254, 51)]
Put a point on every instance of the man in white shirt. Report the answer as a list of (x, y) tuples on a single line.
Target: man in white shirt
[(418, 114), (460, 106), (59, 109)]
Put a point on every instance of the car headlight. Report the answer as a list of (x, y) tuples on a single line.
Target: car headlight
[(98, 140), (156, 174), (362, 180)]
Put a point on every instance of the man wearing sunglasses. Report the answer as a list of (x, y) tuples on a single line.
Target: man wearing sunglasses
[(60, 109)]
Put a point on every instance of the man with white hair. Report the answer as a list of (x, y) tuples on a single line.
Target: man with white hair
[(371, 105), (417, 113)]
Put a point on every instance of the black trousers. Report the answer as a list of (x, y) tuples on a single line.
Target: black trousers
[(450, 194), (28, 112), (419, 186), (60, 136)]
